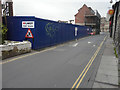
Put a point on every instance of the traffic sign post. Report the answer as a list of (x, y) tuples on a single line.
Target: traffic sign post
[(29, 34)]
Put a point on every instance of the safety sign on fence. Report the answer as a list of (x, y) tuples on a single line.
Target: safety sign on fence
[(76, 31), (28, 24), (29, 34)]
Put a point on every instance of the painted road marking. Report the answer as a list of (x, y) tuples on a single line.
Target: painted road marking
[(82, 75), (89, 42), (73, 41), (7, 61), (75, 45)]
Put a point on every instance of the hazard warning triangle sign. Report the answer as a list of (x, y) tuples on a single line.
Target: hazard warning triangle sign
[(29, 34)]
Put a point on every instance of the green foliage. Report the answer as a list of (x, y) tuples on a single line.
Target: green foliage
[(115, 53), (3, 32), (4, 29)]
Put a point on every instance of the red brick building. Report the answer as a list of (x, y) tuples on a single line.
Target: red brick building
[(80, 16), (88, 17)]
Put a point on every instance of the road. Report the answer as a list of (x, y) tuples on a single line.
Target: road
[(71, 65)]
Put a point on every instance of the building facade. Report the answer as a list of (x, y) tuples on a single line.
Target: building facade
[(0, 12), (104, 26), (88, 17), (8, 8), (0, 22)]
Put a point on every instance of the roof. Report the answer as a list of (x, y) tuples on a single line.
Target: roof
[(94, 12), (81, 8)]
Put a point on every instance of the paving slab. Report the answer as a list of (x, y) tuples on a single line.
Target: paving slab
[(100, 85), (107, 75)]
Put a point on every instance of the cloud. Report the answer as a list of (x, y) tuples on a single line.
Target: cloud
[(57, 9)]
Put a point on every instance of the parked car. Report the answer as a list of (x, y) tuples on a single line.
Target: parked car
[(91, 33)]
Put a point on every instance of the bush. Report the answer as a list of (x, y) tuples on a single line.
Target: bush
[(3, 33)]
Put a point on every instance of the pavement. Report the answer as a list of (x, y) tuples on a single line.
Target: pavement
[(107, 75)]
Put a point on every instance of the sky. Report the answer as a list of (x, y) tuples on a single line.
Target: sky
[(57, 9)]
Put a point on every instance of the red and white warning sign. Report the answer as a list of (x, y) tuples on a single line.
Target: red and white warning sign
[(28, 24), (29, 34)]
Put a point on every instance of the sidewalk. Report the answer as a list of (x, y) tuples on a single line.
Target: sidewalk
[(107, 75)]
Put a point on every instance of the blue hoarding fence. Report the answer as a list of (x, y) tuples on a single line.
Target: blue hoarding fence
[(45, 32)]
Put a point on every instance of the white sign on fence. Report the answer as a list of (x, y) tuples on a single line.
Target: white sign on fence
[(76, 31), (28, 24)]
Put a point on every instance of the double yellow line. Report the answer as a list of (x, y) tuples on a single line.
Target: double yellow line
[(82, 75)]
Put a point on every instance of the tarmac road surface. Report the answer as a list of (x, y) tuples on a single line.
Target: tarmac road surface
[(72, 65)]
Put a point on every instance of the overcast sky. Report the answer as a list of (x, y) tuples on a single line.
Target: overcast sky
[(57, 9)]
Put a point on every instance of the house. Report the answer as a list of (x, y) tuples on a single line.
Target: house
[(88, 17)]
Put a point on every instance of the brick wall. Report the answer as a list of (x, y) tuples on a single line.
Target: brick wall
[(80, 16), (90, 20)]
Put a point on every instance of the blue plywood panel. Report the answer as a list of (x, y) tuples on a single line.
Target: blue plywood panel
[(15, 30), (46, 33)]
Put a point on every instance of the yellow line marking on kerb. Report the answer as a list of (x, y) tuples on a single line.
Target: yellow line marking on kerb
[(7, 61), (87, 67)]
